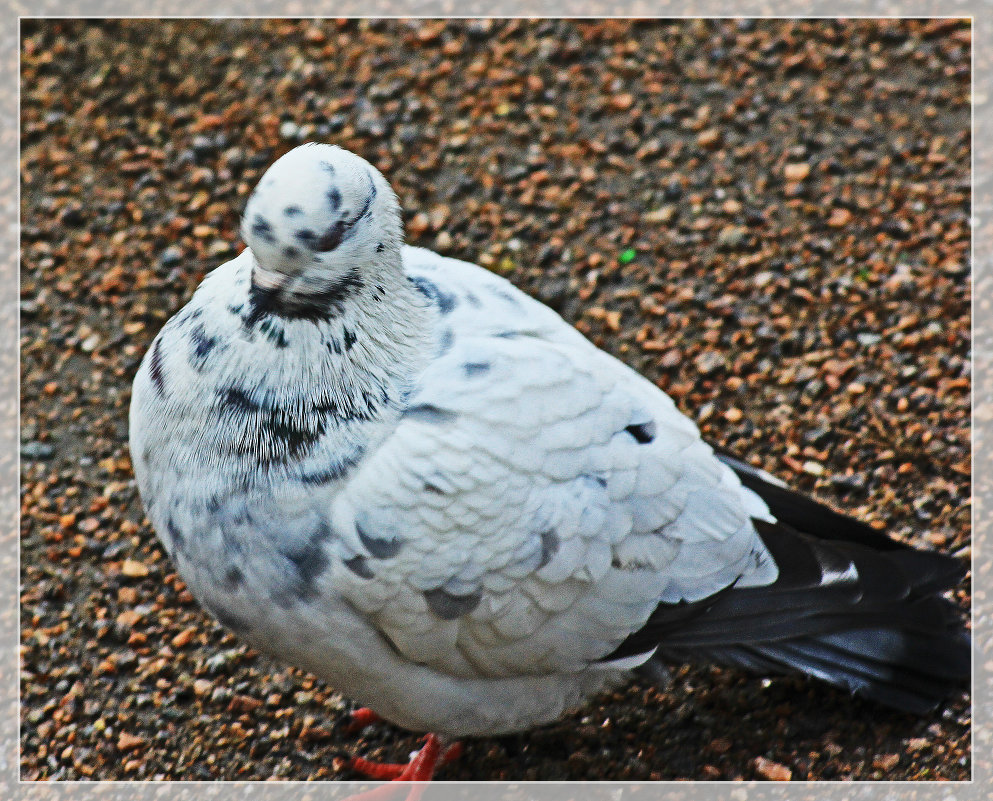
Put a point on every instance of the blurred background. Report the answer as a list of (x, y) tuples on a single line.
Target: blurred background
[(767, 218)]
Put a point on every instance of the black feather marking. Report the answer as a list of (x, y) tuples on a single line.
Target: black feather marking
[(475, 369), (367, 206), (262, 228), (291, 252), (428, 413), (333, 236), (379, 548), (359, 565), (292, 211), (446, 341), (327, 166), (334, 198), (335, 471), (449, 606), (321, 304), (642, 432), (445, 301), (429, 487), (380, 247), (202, 345), (155, 368), (349, 338), (237, 399), (549, 547), (309, 562), (187, 315), (274, 332), (176, 534), (233, 577), (473, 300), (270, 433), (507, 296), (305, 236)]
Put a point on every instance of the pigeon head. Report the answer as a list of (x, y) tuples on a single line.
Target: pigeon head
[(318, 215)]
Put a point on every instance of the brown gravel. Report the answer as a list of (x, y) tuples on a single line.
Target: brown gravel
[(769, 219)]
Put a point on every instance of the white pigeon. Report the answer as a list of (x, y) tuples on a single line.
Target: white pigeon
[(398, 472)]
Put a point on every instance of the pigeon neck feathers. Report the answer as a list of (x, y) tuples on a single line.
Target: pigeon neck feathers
[(313, 332)]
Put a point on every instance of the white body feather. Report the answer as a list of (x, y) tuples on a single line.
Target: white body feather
[(461, 549)]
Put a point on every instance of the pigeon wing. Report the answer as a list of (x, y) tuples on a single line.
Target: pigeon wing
[(537, 500)]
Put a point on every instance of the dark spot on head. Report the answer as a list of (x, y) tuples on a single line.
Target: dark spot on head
[(642, 432), (379, 548), (445, 301), (291, 252), (155, 367), (508, 334), (367, 206), (292, 211), (306, 236), (600, 481), (473, 369), (331, 238), (236, 309), (380, 247), (473, 300), (263, 229), (327, 166), (449, 606), (427, 413), (359, 565), (429, 487), (334, 198), (549, 547)]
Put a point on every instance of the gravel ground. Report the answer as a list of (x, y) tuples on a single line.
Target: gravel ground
[(768, 219)]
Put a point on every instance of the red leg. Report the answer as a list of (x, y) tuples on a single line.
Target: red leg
[(361, 718), (420, 768)]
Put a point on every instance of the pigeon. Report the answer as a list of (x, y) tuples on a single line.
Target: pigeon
[(397, 471)]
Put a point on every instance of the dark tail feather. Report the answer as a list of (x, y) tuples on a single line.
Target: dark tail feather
[(850, 606)]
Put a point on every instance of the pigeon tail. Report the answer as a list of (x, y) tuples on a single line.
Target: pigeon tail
[(850, 606)]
